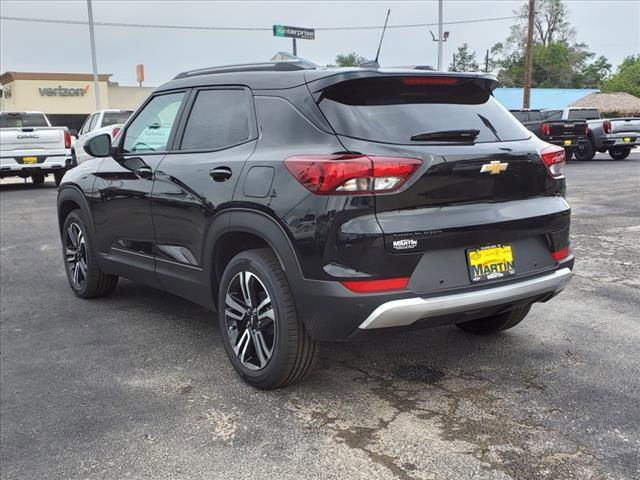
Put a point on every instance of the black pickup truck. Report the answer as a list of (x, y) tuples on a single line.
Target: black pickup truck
[(569, 134)]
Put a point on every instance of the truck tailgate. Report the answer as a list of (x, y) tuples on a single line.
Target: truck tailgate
[(22, 141)]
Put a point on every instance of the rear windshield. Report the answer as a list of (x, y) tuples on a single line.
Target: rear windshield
[(115, 118), (22, 120), (583, 115), (393, 109)]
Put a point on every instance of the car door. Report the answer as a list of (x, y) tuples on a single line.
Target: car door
[(196, 180), (122, 210)]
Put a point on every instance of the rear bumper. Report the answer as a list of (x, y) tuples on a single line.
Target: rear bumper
[(610, 141), (10, 167), (575, 143), (399, 313)]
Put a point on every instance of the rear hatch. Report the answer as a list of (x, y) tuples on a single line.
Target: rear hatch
[(491, 189)]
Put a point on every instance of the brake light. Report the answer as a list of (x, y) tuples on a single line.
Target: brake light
[(430, 80), (560, 254), (115, 132), (546, 129), (554, 158), (371, 286), (67, 139), (348, 174), (606, 126)]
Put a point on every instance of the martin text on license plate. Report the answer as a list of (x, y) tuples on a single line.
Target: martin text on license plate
[(490, 262)]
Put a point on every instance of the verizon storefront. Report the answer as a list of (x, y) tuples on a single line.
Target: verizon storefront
[(66, 98)]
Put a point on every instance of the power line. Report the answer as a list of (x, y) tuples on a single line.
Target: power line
[(240, 29)]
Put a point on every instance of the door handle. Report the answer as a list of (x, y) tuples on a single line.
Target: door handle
[(220, 174), (145, 173)]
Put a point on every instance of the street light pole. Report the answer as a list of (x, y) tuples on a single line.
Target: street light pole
[(94, 61), (440, 35)]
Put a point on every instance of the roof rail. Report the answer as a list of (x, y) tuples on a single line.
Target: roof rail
[(271, 66)]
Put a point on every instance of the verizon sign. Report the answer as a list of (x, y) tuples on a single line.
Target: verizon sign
[(61, 91)]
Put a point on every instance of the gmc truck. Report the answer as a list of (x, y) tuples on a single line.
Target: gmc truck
[(31, 147), (568, 134), (615, 135)]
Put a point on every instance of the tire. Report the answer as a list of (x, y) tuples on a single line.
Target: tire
[(57, 177), (496, 323), (568, 154), (38, 178), (77, 242), (287, 354), (619, 153), (587, 152)]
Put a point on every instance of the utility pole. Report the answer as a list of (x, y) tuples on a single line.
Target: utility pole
[(526, 102), (439, 35), (295, 47), (96, 86), (486, 62)]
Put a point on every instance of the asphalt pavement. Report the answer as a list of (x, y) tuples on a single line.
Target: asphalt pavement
[(137, 385)]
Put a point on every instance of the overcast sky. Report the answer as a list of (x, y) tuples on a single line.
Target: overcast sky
[(608, 27)]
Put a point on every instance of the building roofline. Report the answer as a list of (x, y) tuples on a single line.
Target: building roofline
[(7, 77)]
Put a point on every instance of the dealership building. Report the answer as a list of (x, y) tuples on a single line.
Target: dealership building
[(66, 98)]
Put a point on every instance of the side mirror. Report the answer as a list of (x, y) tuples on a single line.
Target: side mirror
[(99, 146)]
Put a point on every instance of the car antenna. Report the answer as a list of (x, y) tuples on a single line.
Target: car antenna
[(374, 63)]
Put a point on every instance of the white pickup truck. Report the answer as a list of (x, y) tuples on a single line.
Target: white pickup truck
[(103, 121), (31, 147)]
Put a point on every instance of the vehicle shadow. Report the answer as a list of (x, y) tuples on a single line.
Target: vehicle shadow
[(28, 185)]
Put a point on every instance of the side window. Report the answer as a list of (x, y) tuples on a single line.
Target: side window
[(218, 119), (150, 130), (85, 125), (535, 116), (94, 120)]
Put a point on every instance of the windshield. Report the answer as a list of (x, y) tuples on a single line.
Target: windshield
[(115, 118), (22, 120), (395, 109)]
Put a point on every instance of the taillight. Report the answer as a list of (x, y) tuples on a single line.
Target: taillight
[(546, 129), (115, 132), (560, 254), (347, 174), (67, 139), (586, 129), (554, 158), (430, 80), (371, 286), (606, 126)]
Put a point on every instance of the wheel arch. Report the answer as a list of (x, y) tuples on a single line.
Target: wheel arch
[(238, 230), (69, 199)]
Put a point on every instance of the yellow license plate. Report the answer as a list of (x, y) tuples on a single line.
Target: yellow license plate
[(490, 262), (30, 160), (567, 142), (626, 139)]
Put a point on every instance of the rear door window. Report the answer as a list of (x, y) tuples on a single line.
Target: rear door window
[(393, 109), (218, 119)]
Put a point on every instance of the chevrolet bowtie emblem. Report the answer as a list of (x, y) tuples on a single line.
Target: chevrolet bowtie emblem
[(494, 168)]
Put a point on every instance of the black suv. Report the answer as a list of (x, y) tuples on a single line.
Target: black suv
[(308, 204)]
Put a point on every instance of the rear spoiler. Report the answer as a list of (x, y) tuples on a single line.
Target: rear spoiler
[(486, 81)]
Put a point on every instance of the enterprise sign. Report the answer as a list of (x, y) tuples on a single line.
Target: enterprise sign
[(294, 32), (61, 91)]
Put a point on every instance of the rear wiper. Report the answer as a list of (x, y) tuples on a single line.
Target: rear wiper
[(451, 135)]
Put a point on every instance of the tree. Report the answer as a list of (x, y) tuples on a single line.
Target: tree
[(349, 60), (464, 61), (558, 61), (627, 77)]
